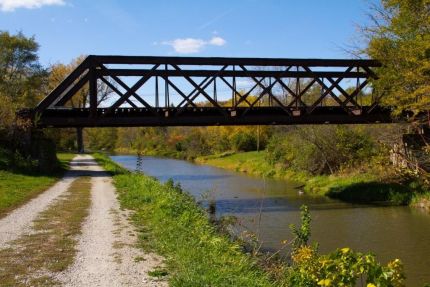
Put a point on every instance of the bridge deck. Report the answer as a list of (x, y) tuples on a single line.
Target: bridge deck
[(206, 116)]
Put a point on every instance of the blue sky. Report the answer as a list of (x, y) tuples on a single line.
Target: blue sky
[(66, 29)]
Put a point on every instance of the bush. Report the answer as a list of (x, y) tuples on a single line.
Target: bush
[(321, 149), (242, 141), (342, 267)]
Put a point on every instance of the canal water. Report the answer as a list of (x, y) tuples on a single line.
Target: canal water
[(388, 232)]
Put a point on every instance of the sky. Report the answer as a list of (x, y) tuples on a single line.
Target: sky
[(66, 29)]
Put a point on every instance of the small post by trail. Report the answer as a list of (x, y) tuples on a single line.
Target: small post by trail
[(80, 140)]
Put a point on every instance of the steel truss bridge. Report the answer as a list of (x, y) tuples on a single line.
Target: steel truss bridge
[(197, 91)]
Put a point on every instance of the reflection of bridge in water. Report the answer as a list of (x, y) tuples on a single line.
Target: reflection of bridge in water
[(188, 91)]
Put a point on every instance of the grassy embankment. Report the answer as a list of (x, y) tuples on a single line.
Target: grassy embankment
[(356, 187), (172, 224), (197, 254), (19, 186)]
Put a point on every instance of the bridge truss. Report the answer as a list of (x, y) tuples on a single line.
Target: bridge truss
[(194, 91)]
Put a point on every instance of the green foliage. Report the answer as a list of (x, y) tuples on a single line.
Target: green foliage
[(320, 149), (22, 82), (251, 162), (244, 142), (343, 267), (21, 75), (400, 38), (191, 142), (302, 234), (101, 139)]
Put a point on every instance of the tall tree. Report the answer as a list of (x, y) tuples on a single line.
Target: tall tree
[(400, 38), (21, 75), (22, 78)]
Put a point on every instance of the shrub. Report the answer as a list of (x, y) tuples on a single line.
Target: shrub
[(343, 267), (321, 149), (243, 141)]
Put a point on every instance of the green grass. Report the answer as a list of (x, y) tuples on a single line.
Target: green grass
[(17, 188), (173, 225), (252, 162)]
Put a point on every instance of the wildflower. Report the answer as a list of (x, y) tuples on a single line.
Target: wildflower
[(326, 282), (345, 250)]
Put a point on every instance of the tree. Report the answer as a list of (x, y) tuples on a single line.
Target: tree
[(400, 39), (21, 75), (22, 78)]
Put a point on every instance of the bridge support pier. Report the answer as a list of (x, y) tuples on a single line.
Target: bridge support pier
[(80, 140)]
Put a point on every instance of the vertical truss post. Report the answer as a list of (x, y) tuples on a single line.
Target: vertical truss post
[(322, 91), (157, 93), (166, 90), (270, 92), (233, 93), (93, 90), (215, 92), (298, 96)]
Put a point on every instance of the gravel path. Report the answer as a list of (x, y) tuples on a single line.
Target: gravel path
[(107, 255), (106, 251), (20, 220)]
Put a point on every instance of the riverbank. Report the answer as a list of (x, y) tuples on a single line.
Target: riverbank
[(19, 186), (361, 186), (198, 253), (171, 223)]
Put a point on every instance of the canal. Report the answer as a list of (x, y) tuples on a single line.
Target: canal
[(268, 207)]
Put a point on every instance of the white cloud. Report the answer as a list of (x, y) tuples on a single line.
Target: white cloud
[(188, 45), (217, 41), (192, 45), (11, 5)]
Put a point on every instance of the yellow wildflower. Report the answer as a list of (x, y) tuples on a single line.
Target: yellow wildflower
[(345, 250), (325, 282)]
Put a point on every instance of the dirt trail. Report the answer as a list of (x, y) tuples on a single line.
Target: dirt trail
[(106, 251), (107, 255), (20, 220)]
